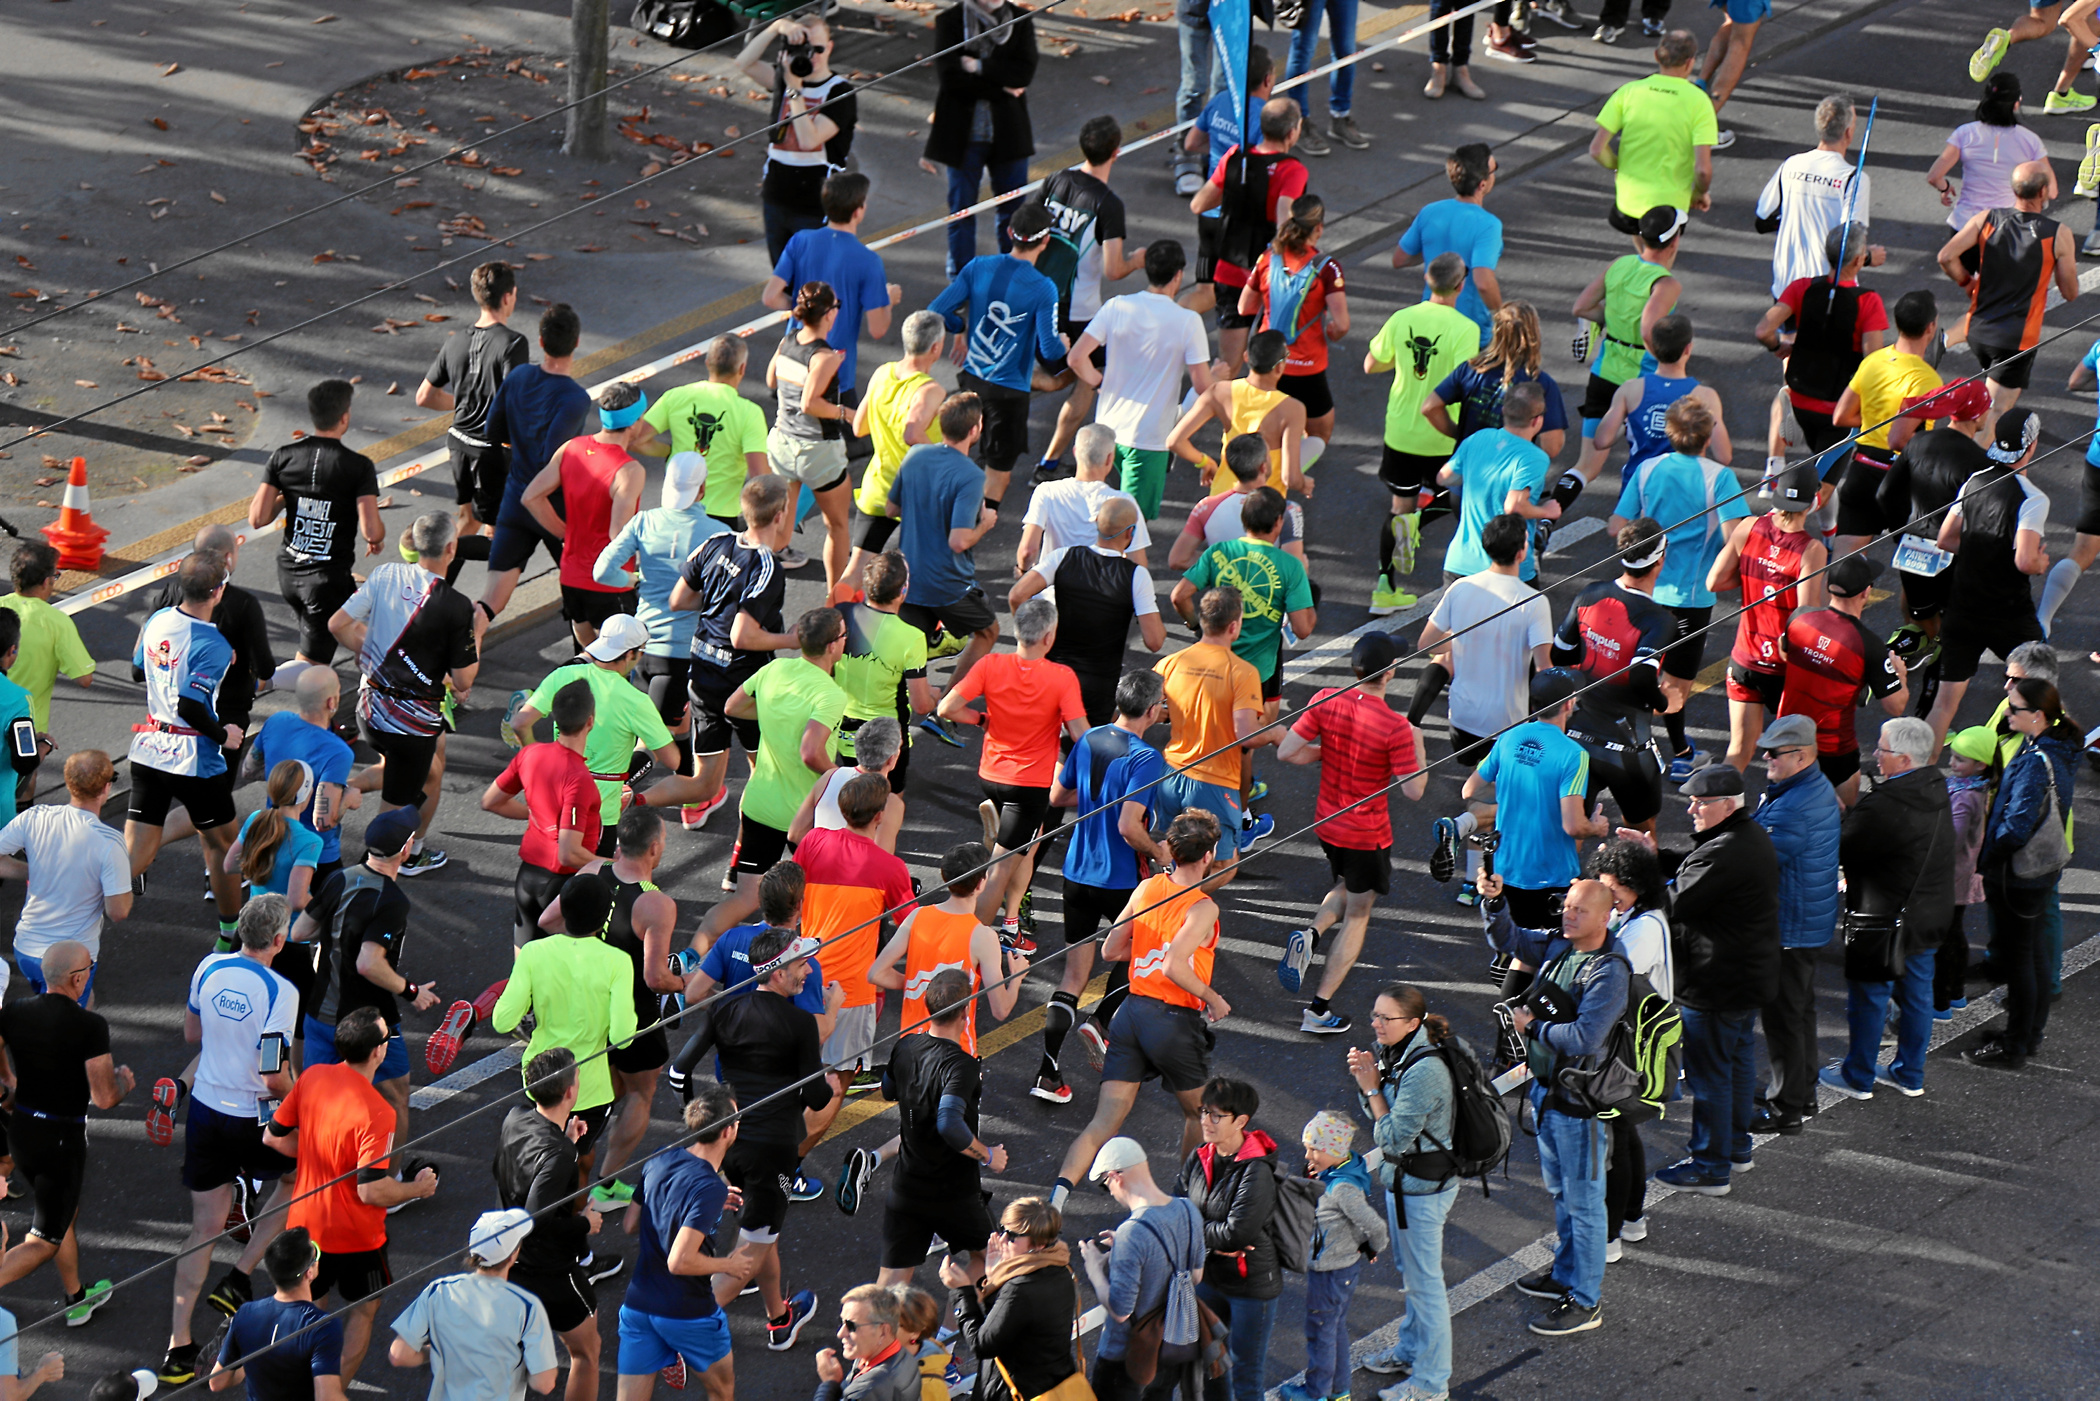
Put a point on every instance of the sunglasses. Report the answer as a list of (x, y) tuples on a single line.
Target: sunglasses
[(847, 1325), (2011, 709), (1009, 1236)]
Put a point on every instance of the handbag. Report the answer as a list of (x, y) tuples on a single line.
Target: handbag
[(1874, 944), (1072, 1388), (2047, 851)]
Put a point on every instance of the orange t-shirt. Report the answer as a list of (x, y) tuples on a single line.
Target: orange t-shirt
[(848, 882), (1026, 704), (1206, 683), (1153, 931), (938, 941), (345, 1126)]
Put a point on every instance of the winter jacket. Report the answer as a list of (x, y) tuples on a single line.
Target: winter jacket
[(1599, 988), (1725, 917), (1345, 1222), (2023, 796), (1419, 1105), (1027, 1326), (1900, 835), (1802, 816), (1237, 1197), (1969, 800), (895, 1378), (1010, 64)]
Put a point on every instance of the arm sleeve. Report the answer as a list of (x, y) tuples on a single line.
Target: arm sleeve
[(697, 1045), (950, 1120), (197, 715), (1768, 206)]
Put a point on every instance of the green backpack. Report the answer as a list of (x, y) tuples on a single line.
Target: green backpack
[(1639, 1066)]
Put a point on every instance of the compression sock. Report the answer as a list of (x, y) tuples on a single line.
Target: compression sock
[(1673, 725), (1437, 505), (1118, 989), (1431, 685), (227, 940), (1058, 1193), (2063, 577), (1386, 543), (1058, 1020), (470, 547), (1567, 489)]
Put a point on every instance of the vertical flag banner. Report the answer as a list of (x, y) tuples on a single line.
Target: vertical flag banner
[(1230, 23)]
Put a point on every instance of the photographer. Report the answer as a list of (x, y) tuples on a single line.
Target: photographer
[(812, 113)]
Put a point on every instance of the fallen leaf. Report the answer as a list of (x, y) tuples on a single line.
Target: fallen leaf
[(193, 464), (408, 182), (415, 204), (87, 384), (435, 316), (357, 379), (327, 257), (324, 19), (1102, 79), (54, 464), (218, 417), (171, 70), (732, 131), (394, 388), (24, 262), (217, 198), (590, 248), (48, 481), (183, 428), (159, 122), (538, 257)]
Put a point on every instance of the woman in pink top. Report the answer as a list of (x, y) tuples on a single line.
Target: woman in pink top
[(1987, 150), (600, 485)]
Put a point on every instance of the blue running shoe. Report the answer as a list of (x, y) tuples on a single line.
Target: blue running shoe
[(1254, 831), (1681, 765), (938, 728), (1297, 957)]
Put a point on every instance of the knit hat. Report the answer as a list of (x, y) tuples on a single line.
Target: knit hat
[(1330, 1132)]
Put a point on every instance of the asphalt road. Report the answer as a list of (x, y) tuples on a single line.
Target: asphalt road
[(1927, 1248)]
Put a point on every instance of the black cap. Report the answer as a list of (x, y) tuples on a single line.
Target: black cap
[(1374, 651), (1794, 489), (1030, 222), (1553, 688), (1714, 781), (2016, 433), (1852, 576)]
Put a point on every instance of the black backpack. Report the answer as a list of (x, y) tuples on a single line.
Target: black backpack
[(1480, 1131), (1297, 1204)]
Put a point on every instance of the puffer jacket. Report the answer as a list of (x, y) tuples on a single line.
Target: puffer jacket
[(1237, 1197), (1725, 917), (1899, 853), (1802, 816), (2023, 795)]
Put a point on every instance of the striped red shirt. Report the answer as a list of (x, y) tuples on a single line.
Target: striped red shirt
[(1364, 745)]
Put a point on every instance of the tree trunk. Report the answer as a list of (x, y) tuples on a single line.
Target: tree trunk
[(589, 22)]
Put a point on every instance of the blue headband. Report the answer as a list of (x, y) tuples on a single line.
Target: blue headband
[(612, 420)]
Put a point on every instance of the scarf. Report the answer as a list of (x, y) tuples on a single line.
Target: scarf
[(976, 20), (1056, 1256)]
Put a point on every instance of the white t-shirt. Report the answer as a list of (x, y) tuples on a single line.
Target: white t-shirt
[(827, 817), (1144, 600), (1491, 656), (75, 859), (1150, 343), (1645, 940), (1808, 193), (237, 1000), (1065, 511), (2034, 515)]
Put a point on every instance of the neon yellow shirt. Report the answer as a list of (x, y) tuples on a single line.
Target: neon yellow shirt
[(713, 419), (626, 716), (1658, 120), (791, 692), (50, 644), (580, 991)]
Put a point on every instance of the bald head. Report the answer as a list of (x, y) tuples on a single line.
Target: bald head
[(2030, 183), (1586, 914), (65, 962), (313, 692), (219, 539)]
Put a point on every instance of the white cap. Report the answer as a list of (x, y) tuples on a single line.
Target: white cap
[(498, 1234), (1115, 1156), (684, 475), (617, 636)]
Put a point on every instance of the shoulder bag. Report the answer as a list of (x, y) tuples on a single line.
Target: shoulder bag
[(1874, 944), (2047, 851)]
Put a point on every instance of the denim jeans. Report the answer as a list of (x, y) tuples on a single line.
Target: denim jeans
[(1195, 90), (1425, 1329), (1867, 1010), (1720, 1069), (1327, 1295), (1573, 1158), (1453, 43), (1248, 1323), (1341, 42), (964, 182)]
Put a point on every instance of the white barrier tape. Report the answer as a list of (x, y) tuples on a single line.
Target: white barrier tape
[(163, 567)]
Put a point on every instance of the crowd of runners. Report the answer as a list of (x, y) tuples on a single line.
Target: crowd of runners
[(767, 1000)]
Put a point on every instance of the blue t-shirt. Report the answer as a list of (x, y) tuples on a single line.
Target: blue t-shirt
[(728, 962), (937, 490), (1474, 399), (18, 729), (285, 1372), (1533, 767), (677, 1190), (301, 847), (1009, 311), (836, 257), (1220, 125), (1108, 762), (535, 413), (1705, 496), (1489, 467), (1454, 226), (2091, 365), (288, 735)]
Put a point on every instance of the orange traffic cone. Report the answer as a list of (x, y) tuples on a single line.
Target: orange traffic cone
[(76, 536)]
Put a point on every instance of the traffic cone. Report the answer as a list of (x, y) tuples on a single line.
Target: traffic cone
[(76, 536)]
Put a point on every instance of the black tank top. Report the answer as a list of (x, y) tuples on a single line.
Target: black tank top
[(792, 420), (1093, 611), (1825, 342), (1247, 208), (619, 932)]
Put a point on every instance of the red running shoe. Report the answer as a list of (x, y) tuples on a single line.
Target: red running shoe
[(443, 1046), (695, 815), (160, 1115), (673, 1376)]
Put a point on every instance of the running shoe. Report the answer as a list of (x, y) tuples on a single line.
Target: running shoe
[(944, 644), (599, 1268), (1254, 831), (230, 1293), (1681, 765), (1988, 54), (442, 1048), (1050, 469), (805, 1188), (673, 1376), (1608, 33), (1095, 1039), (1561, 12), (2088, 186), (800, 1309), (1686, 1176), (941, 730), (1443, 861), (1386, 599), (1724, 138), (1884, 1074), (96, 1295), (1010, 936), (1324, 1023), (485, 1005), (160, 1114), (2060, 102), (506, 729), (862, 1082), (854, 1176), (1259, 791), (791, 558), (179, 1366), (1297, 957), (424, 862), (1346, 131), (611, 1196), (1052, 1088), (1468, 894), (1187, 183)]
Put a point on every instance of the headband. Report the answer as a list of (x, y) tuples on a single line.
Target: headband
[(612, 420), (1644, 561), (800, 948)]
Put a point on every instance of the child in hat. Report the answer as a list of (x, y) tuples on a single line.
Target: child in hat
[(1970, 753), (1346, 1229)]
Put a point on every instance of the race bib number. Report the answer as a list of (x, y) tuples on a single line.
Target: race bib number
[(1915, 556)]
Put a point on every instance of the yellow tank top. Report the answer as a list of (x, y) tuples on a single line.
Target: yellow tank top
[(1250, 405), (890, 392), (1153, 931), (938, 941)]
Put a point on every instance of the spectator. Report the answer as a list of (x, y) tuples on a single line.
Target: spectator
[(74, 865), (1801, 814), (50, 641), (284, 1348), (1463, 226), (812, 116), (1231, 1180), (881, 1369), (1727, 935), (1341, 84), (1969, 795), (1192, 18), (1020, 1319), (1139, 1268), (1346, 1228), (919, 1318), (1641, 914), (980, 115), (1407, 1094), (484, 1338)]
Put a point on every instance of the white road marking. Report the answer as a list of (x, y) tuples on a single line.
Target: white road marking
[(466, 1077)]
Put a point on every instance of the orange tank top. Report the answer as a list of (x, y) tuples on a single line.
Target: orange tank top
[(1151, 933), (938, 941)]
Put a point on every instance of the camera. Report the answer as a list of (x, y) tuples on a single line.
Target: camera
[(795, 57), (1509, 1042)]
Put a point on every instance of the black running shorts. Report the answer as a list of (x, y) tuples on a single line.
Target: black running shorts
[(1149, 1040)]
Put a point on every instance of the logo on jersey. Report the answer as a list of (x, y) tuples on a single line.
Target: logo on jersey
[(233, 1006), (1259, 581), (915, 988), (1530, 753), (1423, 349), (162, 655), (998, 328), (704, 427)]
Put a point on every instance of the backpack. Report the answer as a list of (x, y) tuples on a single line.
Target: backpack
[(1287, 294), (1480, 1130), (685, 24), (1638, 1067), (1297, 1204), (1180, 1331)]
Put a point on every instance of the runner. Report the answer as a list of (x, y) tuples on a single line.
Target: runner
[(1246, 461), (1835, 324), (328, 494), (2085, 539), (1101, 592), (2039, 22), (1028, 702), (933, 939), (1534, 788), (1833, 660), (549, 788), (1060, 513), (627, 721), (538, 409), (807, 444), (897, 415), (464, 378), (1628, 298), (1461, 226), (601, 486), (238, 616), (418, 649), (1256, 406), (939, 499), (1872, 403), (50, 639), (1922, 482), (1168, 930), (1776, 563), (1674, 487), (1728, 55), (1085, 249), (712, 417), (478, 1330), (1642, 403), (835, 256), (306, 733), (1306, 303), (73, 866), (1657, 135), (536, 1172), (1421, 345), (1253, 190), (293, 1349), (1362, 747), (878, 747), (1502, 471), (2018, 254), (1109, 778), (644, 917), (1808, 197), (1215, 705), (850, 883), (1216, 132)]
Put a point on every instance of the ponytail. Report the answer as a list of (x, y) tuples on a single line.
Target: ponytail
[(272, 823), (1294, 236), (1437, 1028)]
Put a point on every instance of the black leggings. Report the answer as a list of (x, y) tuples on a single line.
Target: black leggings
[(1626, 1178), (1950, 970)]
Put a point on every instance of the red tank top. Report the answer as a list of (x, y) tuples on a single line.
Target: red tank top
[(1771, 572), (587, 471), (1826, 667)]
